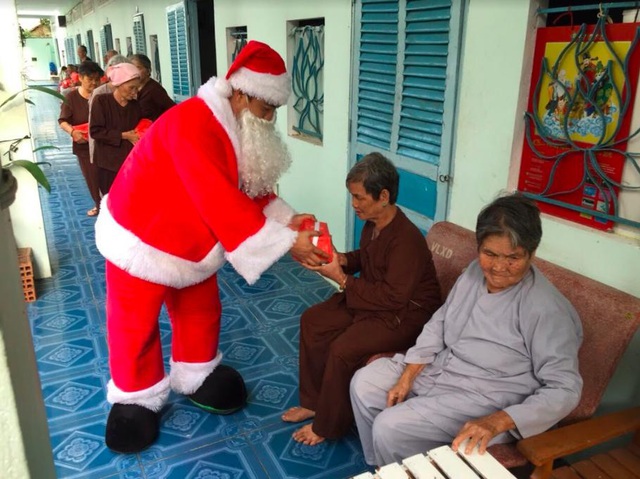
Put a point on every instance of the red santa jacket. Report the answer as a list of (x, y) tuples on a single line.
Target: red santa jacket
[(175, 211)]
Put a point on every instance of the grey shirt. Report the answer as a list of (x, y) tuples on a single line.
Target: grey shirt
[(516, 350)]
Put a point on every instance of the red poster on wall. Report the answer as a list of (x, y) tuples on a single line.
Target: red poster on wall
[(578, 119)]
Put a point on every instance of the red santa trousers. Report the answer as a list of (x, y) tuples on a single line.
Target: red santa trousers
[(133, 332)]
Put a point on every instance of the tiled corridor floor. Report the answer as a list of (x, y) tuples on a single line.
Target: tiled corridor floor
[(259, 338)]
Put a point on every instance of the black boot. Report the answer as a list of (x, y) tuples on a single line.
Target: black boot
[(131, 428), (222, 392)]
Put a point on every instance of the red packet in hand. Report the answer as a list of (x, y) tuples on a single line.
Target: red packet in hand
[(324, 240), (83, 128), (142, 126)]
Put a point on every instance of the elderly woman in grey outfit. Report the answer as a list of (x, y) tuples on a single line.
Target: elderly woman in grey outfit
[(497, 362)]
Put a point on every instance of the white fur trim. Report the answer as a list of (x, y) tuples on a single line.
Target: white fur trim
[(223, 87), (274, 89), (280, 211), (258, 252), (152, 398), (215, 93), (186, 378), (128, 252)]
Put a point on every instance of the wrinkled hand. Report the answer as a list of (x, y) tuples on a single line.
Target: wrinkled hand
[(78, 137), (480, 431), (399, 392), (305, 252), (131, 136), (297, 220), (331, 270)]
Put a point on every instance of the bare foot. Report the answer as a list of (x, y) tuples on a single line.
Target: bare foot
[(298, 414), (305, 435)]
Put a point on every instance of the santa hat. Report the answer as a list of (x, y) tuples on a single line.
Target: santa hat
[(260, 72)]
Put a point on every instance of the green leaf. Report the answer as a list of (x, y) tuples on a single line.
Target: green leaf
[(29, 101), (35, 171), (42, 89), (46, 147)]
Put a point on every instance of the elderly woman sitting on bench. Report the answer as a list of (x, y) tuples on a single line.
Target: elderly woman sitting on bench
[(498, 361)]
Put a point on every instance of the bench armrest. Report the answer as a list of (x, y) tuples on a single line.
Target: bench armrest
[(543, 448)]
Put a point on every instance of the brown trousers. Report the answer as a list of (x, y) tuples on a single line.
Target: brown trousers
[(106, 179), (90, 173), (332, 348)]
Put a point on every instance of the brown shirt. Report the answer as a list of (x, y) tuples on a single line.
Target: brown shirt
[(397, 276), (153, 100), (108, 121), (75, 111)]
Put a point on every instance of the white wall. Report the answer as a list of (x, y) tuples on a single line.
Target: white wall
[(43, 50), (25, 450), (315, 182)]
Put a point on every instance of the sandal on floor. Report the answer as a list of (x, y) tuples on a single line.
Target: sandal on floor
[(92, 212)]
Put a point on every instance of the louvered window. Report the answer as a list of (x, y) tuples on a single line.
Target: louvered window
[(402, 75), (424, 77), (70, 49), (404, 89), (106, 38), (377, 72), (138, 34), (179, 51)]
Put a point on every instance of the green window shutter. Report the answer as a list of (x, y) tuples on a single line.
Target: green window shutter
[(377, 72), (424, 78), (179, 51)]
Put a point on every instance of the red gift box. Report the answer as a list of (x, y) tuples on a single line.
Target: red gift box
[(142, 126), (83, 128), (324, 240)]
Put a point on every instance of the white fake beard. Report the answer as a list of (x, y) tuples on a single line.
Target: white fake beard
[(264, 155)]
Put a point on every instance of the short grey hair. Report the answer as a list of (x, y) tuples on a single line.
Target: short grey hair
[(376, 173), (514, 216), (116, 60)]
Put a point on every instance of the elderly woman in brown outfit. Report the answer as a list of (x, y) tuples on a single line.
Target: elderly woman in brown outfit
[(113, 121), (74, 113), (384, 309), (153, 99)]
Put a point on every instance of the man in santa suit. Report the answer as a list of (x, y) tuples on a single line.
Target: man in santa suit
[(196, 191)]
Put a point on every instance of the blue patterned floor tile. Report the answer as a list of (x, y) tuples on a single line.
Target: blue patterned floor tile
[(268, 283), (277, 308), (66, 295), (285, 458), (225, 460), (80, 453), (270, 395), (67, 399), (59, 326), (68, 357)]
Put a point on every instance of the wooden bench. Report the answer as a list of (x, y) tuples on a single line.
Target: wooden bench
[(609, 318)]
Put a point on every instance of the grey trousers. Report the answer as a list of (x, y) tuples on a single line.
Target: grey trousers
[(408, 428)]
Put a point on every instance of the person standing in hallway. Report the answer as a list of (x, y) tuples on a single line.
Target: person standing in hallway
[(112, 123), (152, 97), (74, 111), (195, 192)]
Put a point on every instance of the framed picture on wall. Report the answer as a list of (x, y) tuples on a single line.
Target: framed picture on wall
[(581, 99)]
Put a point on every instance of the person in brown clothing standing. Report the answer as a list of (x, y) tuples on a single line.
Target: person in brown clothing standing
[(113, 121), (74, 112), (153, 99), (382, 310)]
